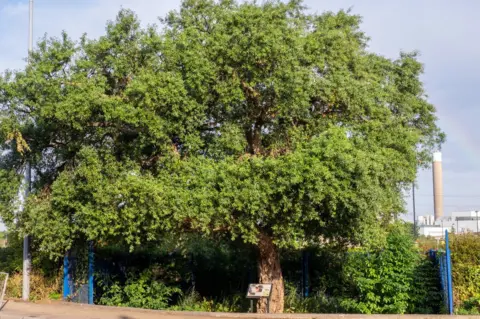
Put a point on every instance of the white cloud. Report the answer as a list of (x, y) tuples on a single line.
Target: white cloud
[(75, 17)]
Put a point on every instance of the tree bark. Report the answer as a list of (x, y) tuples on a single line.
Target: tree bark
[(270, 271)]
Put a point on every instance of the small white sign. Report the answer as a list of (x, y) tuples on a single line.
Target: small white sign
[(259, 290)]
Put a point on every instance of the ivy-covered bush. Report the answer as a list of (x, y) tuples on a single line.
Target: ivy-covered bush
[(425, 295), (387, 280)]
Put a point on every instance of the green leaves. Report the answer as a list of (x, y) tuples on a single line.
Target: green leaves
[(10, 183), (233, 117), (141, 291), (465, 270), (383, 280)]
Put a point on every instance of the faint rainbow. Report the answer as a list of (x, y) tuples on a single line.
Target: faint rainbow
[(458, 134)]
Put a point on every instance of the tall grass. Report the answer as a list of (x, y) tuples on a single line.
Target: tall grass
[(41, 288)]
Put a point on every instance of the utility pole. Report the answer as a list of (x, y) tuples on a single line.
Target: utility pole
[(476, 212), (28, 179), (414, 212)]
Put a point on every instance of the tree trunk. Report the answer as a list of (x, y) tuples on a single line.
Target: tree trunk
[(270, 271)]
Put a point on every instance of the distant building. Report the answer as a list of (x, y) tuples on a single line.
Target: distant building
[(458, 222)]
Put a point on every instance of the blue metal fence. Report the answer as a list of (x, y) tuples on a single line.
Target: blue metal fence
[(445, 266), (82, 293)]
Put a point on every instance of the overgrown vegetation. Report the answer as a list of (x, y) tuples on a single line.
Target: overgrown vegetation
[(394, 278), (317, 302), (196, 274), (45, 278), (426, 243), (42, 287), (193, 301), (143, 291), (466, 272), (382, 280)]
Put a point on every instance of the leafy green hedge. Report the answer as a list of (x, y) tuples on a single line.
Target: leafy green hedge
[(394, 279), (465, 250)]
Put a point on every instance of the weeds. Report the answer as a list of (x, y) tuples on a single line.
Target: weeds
[(41, 288), (192, 301), (319, 302)]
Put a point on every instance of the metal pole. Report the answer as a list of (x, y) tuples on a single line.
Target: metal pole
[(476, 212), (305, 273), (414, 212), (26, 269), (449, 274), (66, 277), (28, 179), (443, 231), (91, 260)]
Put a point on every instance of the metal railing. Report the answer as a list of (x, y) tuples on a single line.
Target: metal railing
[(4, 289), (445, 267)]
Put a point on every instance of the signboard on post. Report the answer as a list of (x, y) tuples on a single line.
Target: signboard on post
[(257, 291)]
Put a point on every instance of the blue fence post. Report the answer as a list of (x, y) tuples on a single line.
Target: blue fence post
[(443, 279), (449, 274), (191, 263), (305, 269), (91, 261), (66, 277)]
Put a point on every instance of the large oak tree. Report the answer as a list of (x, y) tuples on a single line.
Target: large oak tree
[(259, 121)]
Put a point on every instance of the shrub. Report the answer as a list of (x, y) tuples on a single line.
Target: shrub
[(470, 306), (215, 267), (381, 281), (425, 243), (192, 301), (319, 302), (10, 260), (11, 256), (139, 292), (425, 295), (465, 267)]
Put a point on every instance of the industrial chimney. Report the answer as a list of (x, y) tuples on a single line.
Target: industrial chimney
[(437, 185)]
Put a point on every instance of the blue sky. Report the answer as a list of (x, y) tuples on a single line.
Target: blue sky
[(444, 32)]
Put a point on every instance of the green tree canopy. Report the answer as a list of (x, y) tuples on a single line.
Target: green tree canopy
[(261, 121)]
